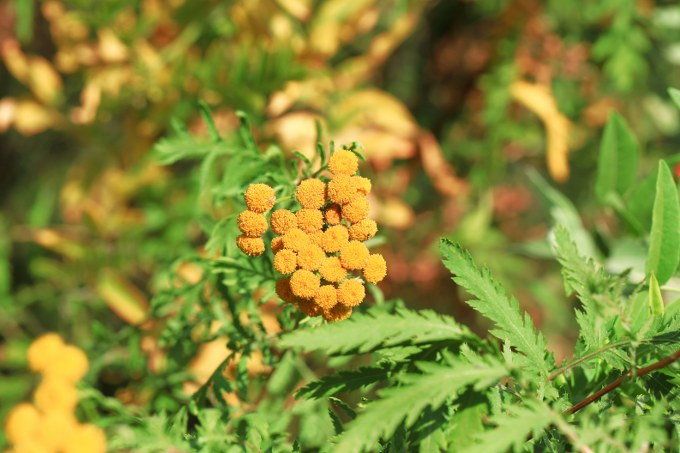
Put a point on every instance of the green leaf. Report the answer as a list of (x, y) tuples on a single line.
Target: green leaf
[(495, 303), (655, 300), (675, 96), (376, 329), (617, 162), (380, 418), (344, 381), (513, 427), (664, 241)]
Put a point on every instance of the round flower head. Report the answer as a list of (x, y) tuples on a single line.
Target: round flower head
[(283, 220), (309, 308), (283, 290), (342, 189), (70, 366), (334, 238), (351, 292), (343, 162), (376, 268), (86, 438), (44, 350), (22, 423), (333, 215), (354, 255), (250, 246), (259, 198), (331, 270), (363, 230), (252, 224), (362, 184), (295, 239), (326, 297), (311, 193), (285, 261), (309, 220), (356, 210), (338, 313), (55, 395), (317, 237), (277, 244), (310, 257), (304, 283), (55, 429)]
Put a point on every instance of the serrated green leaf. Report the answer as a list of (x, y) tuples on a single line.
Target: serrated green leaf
[(664, 241), (513, 427), (617, 162), (374, 330), (497, 305), (380, 418)]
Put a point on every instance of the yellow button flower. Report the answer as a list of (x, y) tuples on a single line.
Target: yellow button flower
[(343, 162), (331, 270), (70, 366), (309, 308), (250, 246), (334, 238), (317, 237), (295, 239), (55, 395), (351, 292), (86, 438), (310, 257), (356, 210), (363, 230), (304, 283), (22, 423), (362, 184), (337, 313), (354, 255), (376, 268), (252, 224), (333, 215), (283, 220), (311, 193), (285, 261), (259, 198), (55, 430), (277, 244), (342, 189), (44, 350), (326, 297), (283, 290), (309, 220)]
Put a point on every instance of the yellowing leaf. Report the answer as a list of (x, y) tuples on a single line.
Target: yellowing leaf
[(31, 118), (539, 99), (122, 297), (44, 80)]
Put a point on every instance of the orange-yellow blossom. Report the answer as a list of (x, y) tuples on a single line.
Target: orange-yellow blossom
[(311, 193), (259, 198), (283, 220), (353, 255)]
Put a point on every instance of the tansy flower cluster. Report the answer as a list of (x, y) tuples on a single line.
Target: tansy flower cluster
[(49, 424), (320, 248)]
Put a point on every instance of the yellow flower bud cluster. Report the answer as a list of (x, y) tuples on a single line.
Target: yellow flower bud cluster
[(259, 198), (320, 248), (49, 424)]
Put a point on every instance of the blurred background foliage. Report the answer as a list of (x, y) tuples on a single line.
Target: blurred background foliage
[(481, 120)]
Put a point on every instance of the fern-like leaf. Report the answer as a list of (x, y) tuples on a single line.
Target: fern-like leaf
[(345, 381), (497, 305), (406, 403), (375, 330), (513, 427)]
